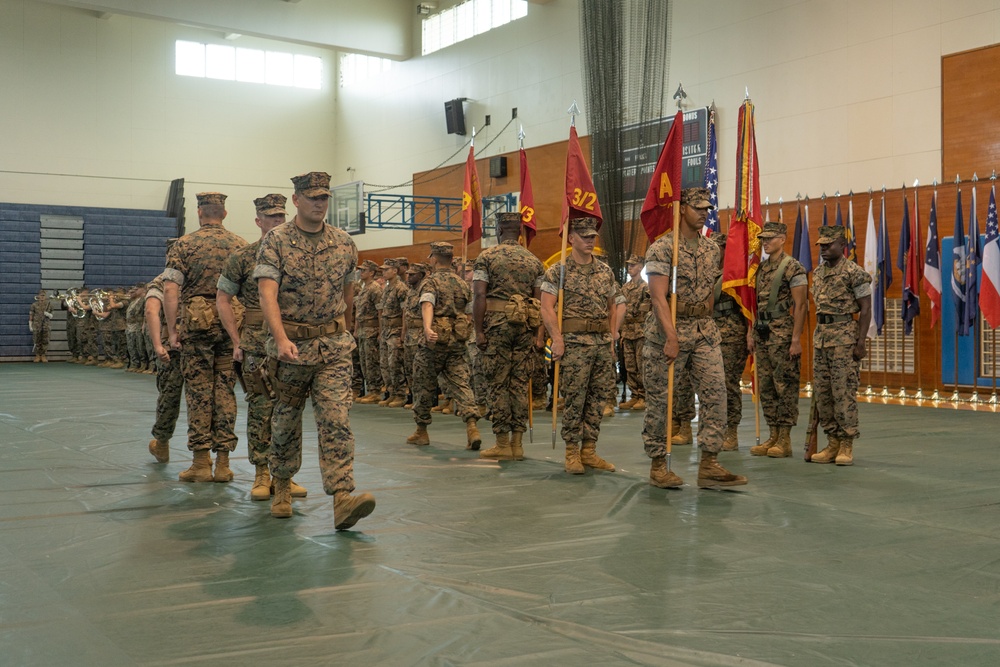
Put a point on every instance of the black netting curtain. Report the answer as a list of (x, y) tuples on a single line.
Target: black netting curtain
[(626, 64)]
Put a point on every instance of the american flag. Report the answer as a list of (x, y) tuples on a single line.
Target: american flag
[(712, 179), (989, 296), (932, 264)]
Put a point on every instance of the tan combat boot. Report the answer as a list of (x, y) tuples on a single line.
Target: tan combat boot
[(589, 457), (473, 439), (501, 451), (281, 504), (829, 453), (573, 464), (200, 470), (160, 449), (348, 509), (640, 404), (609, 410), (782, 448), (539, 403), (629, 404), (222, 471), (448, 408), (731, 442), (682, 434), (385, 401), (369, 398), (761, 449), (516, 447), (712, 475), (419, 437), (660, 477), (397, 402), (296, 490), (845, 457), (261, 489), (45, 359)]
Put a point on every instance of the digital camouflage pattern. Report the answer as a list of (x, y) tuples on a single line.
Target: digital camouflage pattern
[(508, 269), (637, 306), (391, 313), (237, 280), (366, 301), (836, 291), (782, 324), (312, 272), (134, 338), (169, 379), (195, 263), (700, 356), (444, 361), (586, 371), (412, 331), (39, 316)]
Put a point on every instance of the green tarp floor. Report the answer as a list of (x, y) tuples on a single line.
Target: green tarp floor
[(106, 559)]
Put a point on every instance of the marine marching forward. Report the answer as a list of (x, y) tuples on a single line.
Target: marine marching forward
[(284, 315)]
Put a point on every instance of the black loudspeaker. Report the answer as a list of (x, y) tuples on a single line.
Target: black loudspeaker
[(454, 116), (498, 167)]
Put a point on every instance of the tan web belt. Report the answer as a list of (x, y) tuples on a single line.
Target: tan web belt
[(824, 318), (583, 325), (309, 331)]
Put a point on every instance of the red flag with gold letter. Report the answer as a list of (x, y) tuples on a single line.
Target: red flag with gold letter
[(581, 196), (527, 202), (472, 202), (739, 269), (665, 185)]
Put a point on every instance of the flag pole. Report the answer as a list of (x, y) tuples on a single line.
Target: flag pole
[(902, 306), (867, 361), (976, 329), (916, 323), (673, 321), (955, 396), (523, 237), (993, 331), (936, 396), (573, 110)]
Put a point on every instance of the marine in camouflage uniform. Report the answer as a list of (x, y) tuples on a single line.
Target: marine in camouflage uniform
[(169, 378), (72, 341), (391, 329), (134, 341), (582, 342), (39, 316), (477, 374), (413, 326), (732, 325), (506, 315), (305, 272), (194, 264), (840, 289), (637, 306), (776, 340), (441, 355), (115, 330), (366, 330), (249, 337), (86, 330), (694, 343)]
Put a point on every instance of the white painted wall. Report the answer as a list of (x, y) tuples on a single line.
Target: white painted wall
[(395, 125), (95, 116), (847, 92)]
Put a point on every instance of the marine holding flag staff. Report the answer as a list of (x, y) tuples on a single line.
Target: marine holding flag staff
[(694, 344)]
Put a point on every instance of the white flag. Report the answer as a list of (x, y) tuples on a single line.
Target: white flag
[(871, 258)]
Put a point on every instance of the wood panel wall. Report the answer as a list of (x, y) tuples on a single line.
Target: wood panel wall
[(970, 113)]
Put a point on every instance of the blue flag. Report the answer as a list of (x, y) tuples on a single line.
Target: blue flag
[(973, 258), (805, 245), (840, 218), (797, 238), (712, 181), (884, 270), (958, 267), (911, 302)]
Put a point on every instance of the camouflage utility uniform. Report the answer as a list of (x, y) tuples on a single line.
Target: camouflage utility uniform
[(312, 271), (391, 321), (636, 293), (194, 263), (137, 359), (700, 357), (836, 291), (365, 303), (510, 324), (38, 317), (236, 280), (169, 379)]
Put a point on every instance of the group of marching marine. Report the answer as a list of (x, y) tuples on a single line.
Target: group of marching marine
[(296, 288)]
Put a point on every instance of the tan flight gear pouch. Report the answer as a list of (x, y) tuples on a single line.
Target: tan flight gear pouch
[(199, 314), (521, 310), (444, 328), (284, 392), (224, 363), (257, 382), (463, 327)]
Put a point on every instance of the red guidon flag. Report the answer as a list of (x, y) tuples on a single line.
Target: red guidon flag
[(739, 270), (527, 202), (581, 196), (472, 202), (657, 214)]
